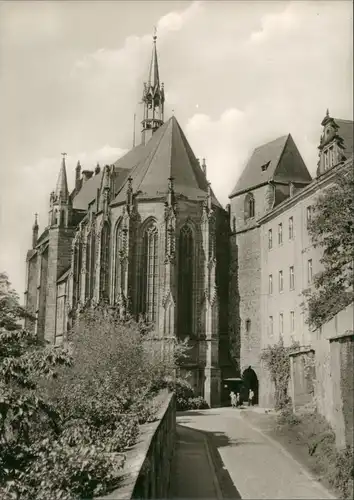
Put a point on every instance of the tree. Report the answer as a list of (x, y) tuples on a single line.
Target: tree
[(332, 229)]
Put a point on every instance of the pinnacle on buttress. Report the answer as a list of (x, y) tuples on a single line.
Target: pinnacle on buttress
[(35, 229), (204, 167), (61, 190)]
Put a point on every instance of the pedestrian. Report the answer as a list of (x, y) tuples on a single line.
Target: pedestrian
[(250, 398), (233, 399), (237, 399)]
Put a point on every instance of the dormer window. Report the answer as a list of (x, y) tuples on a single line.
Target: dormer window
[(265, 166)]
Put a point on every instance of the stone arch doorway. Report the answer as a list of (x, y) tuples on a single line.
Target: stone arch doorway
[(250, 381)]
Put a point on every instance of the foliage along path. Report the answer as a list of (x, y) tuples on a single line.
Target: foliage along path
[(220, 455)]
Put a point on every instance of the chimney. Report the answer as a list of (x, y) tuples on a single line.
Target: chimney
[(86, 175)]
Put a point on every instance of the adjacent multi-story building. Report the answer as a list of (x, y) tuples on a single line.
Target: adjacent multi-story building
[(271, 206), (148, 236)]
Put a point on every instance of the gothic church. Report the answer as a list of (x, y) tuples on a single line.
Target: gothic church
[(145, 234)]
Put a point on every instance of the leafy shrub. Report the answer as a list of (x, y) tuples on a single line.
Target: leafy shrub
[(66, 418), (197, 403), (276, 359)]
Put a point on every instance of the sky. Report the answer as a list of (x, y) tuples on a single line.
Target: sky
[(237, 74)]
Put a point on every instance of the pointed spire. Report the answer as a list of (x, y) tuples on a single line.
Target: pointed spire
[(61, 190), (153, 98), (97, 169), (154, 78)]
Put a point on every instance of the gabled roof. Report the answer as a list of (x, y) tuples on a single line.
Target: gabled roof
[(346, 132), (278, 160), (167, 154)]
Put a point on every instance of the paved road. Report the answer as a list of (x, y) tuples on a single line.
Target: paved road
[(220, 455)]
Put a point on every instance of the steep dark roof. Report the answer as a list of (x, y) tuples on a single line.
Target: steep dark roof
[(278, 160), (87, 192), (167, 154), (122, 167), (346, 132)]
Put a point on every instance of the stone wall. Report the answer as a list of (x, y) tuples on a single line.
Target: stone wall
[(146, 473), (333, 345)]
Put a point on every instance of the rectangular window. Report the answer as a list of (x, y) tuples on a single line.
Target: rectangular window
[(309, 271), (281, 323), (326, 162), (270, 284), (292, 321), (291, 278), (331, 156), (308, 215), (270, 325), (280, 234), (291, 228), (270, 239), (281, 281)]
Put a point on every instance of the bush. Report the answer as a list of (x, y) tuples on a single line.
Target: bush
[(315, 433), (62, 430)]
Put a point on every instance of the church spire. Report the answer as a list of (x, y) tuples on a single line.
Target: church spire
[(62, 190), (154, 79), (153, 98)]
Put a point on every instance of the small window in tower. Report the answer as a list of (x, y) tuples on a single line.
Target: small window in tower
[(248, 325), (265, 166)]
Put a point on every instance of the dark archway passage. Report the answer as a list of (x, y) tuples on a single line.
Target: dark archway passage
[(250, 381)]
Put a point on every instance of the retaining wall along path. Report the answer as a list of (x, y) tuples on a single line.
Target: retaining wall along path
[(146, 472)]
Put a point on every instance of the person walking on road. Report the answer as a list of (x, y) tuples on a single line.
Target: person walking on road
[(233, 399), (250, 398)]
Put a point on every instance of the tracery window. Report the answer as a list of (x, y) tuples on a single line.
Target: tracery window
[(88, 265), (249, 206), (92, 272), (104, 268), (77, 270), (118, 264), (149, 273), (185, 281)]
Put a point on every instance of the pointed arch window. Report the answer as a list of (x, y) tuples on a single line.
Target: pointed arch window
[(104, 270), (92, 272), (118, 263), (185, 281), (249, 207), (149, 273), (88, 266), (77, 270)]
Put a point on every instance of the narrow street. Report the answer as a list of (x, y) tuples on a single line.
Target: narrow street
[(220, 455)]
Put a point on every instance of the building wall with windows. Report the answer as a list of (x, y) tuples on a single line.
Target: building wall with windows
[(282, 310)]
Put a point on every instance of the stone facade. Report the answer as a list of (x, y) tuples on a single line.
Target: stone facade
[(273, 258), (145, 235)]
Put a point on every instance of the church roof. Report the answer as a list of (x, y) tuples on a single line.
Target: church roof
[(346, 132), (167, 154), (266, 164)]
